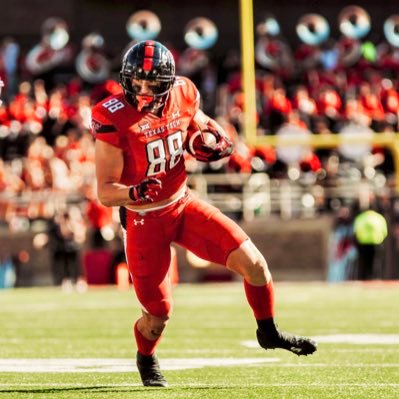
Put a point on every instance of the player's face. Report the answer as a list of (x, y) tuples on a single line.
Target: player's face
[(145, 87), (145, 91)]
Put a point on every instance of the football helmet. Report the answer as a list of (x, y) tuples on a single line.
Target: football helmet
[(151, 61)]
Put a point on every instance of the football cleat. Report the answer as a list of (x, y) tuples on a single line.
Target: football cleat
[(298, 345), (150, 371)]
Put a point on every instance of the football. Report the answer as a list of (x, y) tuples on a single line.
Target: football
[(197, 139)]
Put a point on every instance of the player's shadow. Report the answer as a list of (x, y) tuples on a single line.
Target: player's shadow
[(105, 388), (95, 389)]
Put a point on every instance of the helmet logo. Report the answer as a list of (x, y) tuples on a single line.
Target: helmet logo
[(148, 57)]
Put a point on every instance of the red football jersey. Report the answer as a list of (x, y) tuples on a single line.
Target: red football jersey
[(150, 144)]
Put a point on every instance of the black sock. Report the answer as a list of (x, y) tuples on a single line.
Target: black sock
[(267, 325)]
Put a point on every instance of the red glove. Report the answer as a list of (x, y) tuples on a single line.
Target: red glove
[(145, 191), (223, 148)]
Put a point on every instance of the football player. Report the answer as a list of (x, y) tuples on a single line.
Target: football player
[(141, 134)]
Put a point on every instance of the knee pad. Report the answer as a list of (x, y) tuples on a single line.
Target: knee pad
[(162, 308)]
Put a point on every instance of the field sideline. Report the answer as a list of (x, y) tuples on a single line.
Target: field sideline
[(58, 345)]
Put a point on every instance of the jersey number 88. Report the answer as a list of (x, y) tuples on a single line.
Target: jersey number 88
[(164, 153)]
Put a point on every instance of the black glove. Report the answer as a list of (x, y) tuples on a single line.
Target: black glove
[(223, 148), (145, 191)]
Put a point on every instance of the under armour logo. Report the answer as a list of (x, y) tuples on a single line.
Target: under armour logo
[(138, 221)]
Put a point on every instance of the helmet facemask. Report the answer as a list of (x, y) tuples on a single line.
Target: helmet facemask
[(146, 102)]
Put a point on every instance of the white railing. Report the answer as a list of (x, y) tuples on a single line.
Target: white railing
[(257, 194), (247, 195)]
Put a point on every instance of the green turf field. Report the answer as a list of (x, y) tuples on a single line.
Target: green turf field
[(208, 350)]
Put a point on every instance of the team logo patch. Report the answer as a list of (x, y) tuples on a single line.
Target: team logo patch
[(144, 126), (95, 125)]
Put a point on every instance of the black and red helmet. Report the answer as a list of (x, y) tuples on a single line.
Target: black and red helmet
[(152, 61)]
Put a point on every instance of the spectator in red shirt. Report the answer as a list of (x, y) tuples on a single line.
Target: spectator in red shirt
[(329, 104), (277, 109), (390, 103), (305, 105), (372, 105), (355, 112)]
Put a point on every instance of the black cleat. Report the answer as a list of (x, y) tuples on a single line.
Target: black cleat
[(298, 345), (150, 372)]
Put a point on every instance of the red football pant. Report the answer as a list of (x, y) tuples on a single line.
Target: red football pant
[(192, 223)]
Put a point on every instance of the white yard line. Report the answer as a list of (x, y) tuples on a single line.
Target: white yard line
[(340, 365), (128, 365), (118, 365), (383, 349), (357, 339)]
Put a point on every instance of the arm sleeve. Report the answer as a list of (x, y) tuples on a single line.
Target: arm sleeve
[(103, 129), (191, 94)]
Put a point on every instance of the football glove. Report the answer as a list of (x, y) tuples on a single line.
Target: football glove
[(223, 148), (145, 191)]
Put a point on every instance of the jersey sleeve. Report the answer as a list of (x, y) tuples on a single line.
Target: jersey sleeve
[(190, 94), (103, 128)]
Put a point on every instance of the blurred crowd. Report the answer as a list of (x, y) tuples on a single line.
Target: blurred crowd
[(47, 150), (45, 141)]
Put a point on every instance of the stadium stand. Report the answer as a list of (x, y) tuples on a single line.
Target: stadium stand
[(302, 90)]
